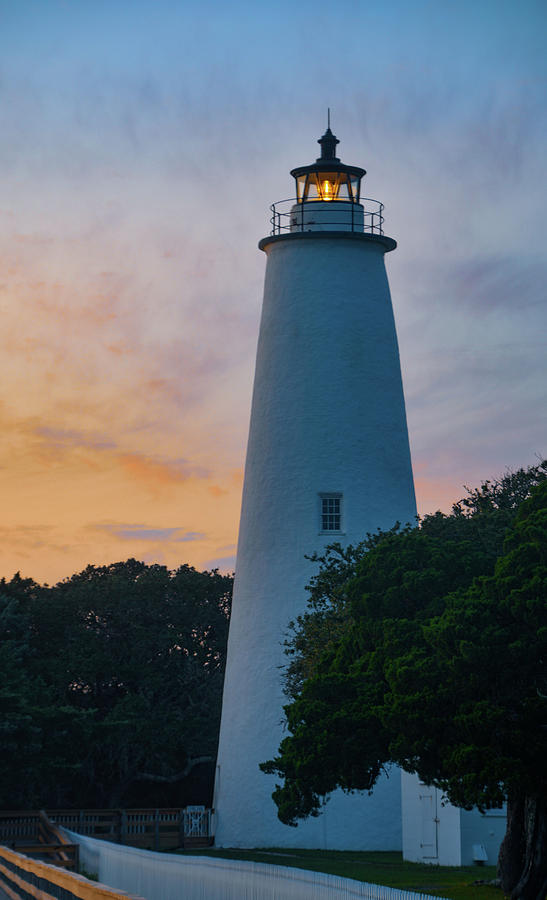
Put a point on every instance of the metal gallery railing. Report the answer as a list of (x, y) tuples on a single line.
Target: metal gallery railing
[(290, 216)]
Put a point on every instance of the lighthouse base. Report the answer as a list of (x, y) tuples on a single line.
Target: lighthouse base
[(347, 822)]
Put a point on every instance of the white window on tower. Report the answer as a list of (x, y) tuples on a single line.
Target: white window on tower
[(330, 515)]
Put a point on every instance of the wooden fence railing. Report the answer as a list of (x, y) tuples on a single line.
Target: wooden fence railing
[(148, 829), (36, 836), (21, 877)]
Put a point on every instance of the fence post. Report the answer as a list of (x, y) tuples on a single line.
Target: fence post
[(157, 830), (181, 827), (123, 826)]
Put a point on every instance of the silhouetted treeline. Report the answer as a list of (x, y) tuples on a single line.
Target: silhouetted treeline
[(111, 687)]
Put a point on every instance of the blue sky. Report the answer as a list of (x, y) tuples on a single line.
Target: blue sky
[(142, 143)]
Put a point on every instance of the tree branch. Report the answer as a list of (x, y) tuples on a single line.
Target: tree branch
[(170, 779)]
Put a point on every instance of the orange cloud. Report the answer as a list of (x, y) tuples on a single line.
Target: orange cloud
[(119, 348), (156, 473), (26, 538), (54, 446), (216, 491)]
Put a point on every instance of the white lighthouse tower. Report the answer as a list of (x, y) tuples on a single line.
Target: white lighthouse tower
[(327, 460)]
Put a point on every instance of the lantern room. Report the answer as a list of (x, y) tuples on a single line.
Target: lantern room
[(328, 179), (328, 197)]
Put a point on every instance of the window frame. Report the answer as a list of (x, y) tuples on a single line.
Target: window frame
[(331, 495)]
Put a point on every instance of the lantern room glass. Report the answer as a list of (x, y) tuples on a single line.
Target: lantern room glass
[(326, 186)]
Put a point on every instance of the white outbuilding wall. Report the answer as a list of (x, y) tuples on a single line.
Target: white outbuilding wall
[(436, 832), (327, 417)]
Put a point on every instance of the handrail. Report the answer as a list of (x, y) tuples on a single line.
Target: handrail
[(19, 872), (283, 220), (48, 830)]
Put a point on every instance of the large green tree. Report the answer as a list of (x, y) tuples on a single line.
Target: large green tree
[(426, 647), (114, 684), (22, 698)]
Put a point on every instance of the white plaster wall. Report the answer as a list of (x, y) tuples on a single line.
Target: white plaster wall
[(450, 843), (334, 215), (457, 830), (486, 828), (327, 416), (411, 817), (447, 826)]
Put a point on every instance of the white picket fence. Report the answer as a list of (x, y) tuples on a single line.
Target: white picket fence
[(162, 876)]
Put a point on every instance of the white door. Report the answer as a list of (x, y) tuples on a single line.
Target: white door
[(429, 822)]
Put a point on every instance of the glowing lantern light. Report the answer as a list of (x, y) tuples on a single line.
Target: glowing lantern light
[(327, 190)]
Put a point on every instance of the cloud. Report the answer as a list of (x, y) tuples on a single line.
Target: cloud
[(216, 491), (65, 438), (27, 537), (493, 282), (55, 442), (24, 544), (225, 564), (155, 472), (140, 532)]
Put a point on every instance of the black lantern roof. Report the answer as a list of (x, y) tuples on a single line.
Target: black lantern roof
[(328, 161), (328, 178)]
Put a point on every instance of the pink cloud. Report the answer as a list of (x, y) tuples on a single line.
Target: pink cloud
[(140, 532)]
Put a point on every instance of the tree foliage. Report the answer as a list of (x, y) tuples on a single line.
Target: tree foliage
[(110, 684), (427, 647)]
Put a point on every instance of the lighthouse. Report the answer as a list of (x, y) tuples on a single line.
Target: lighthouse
[(328, 460)]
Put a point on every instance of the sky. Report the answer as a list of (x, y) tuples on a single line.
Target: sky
[(141, 143)]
